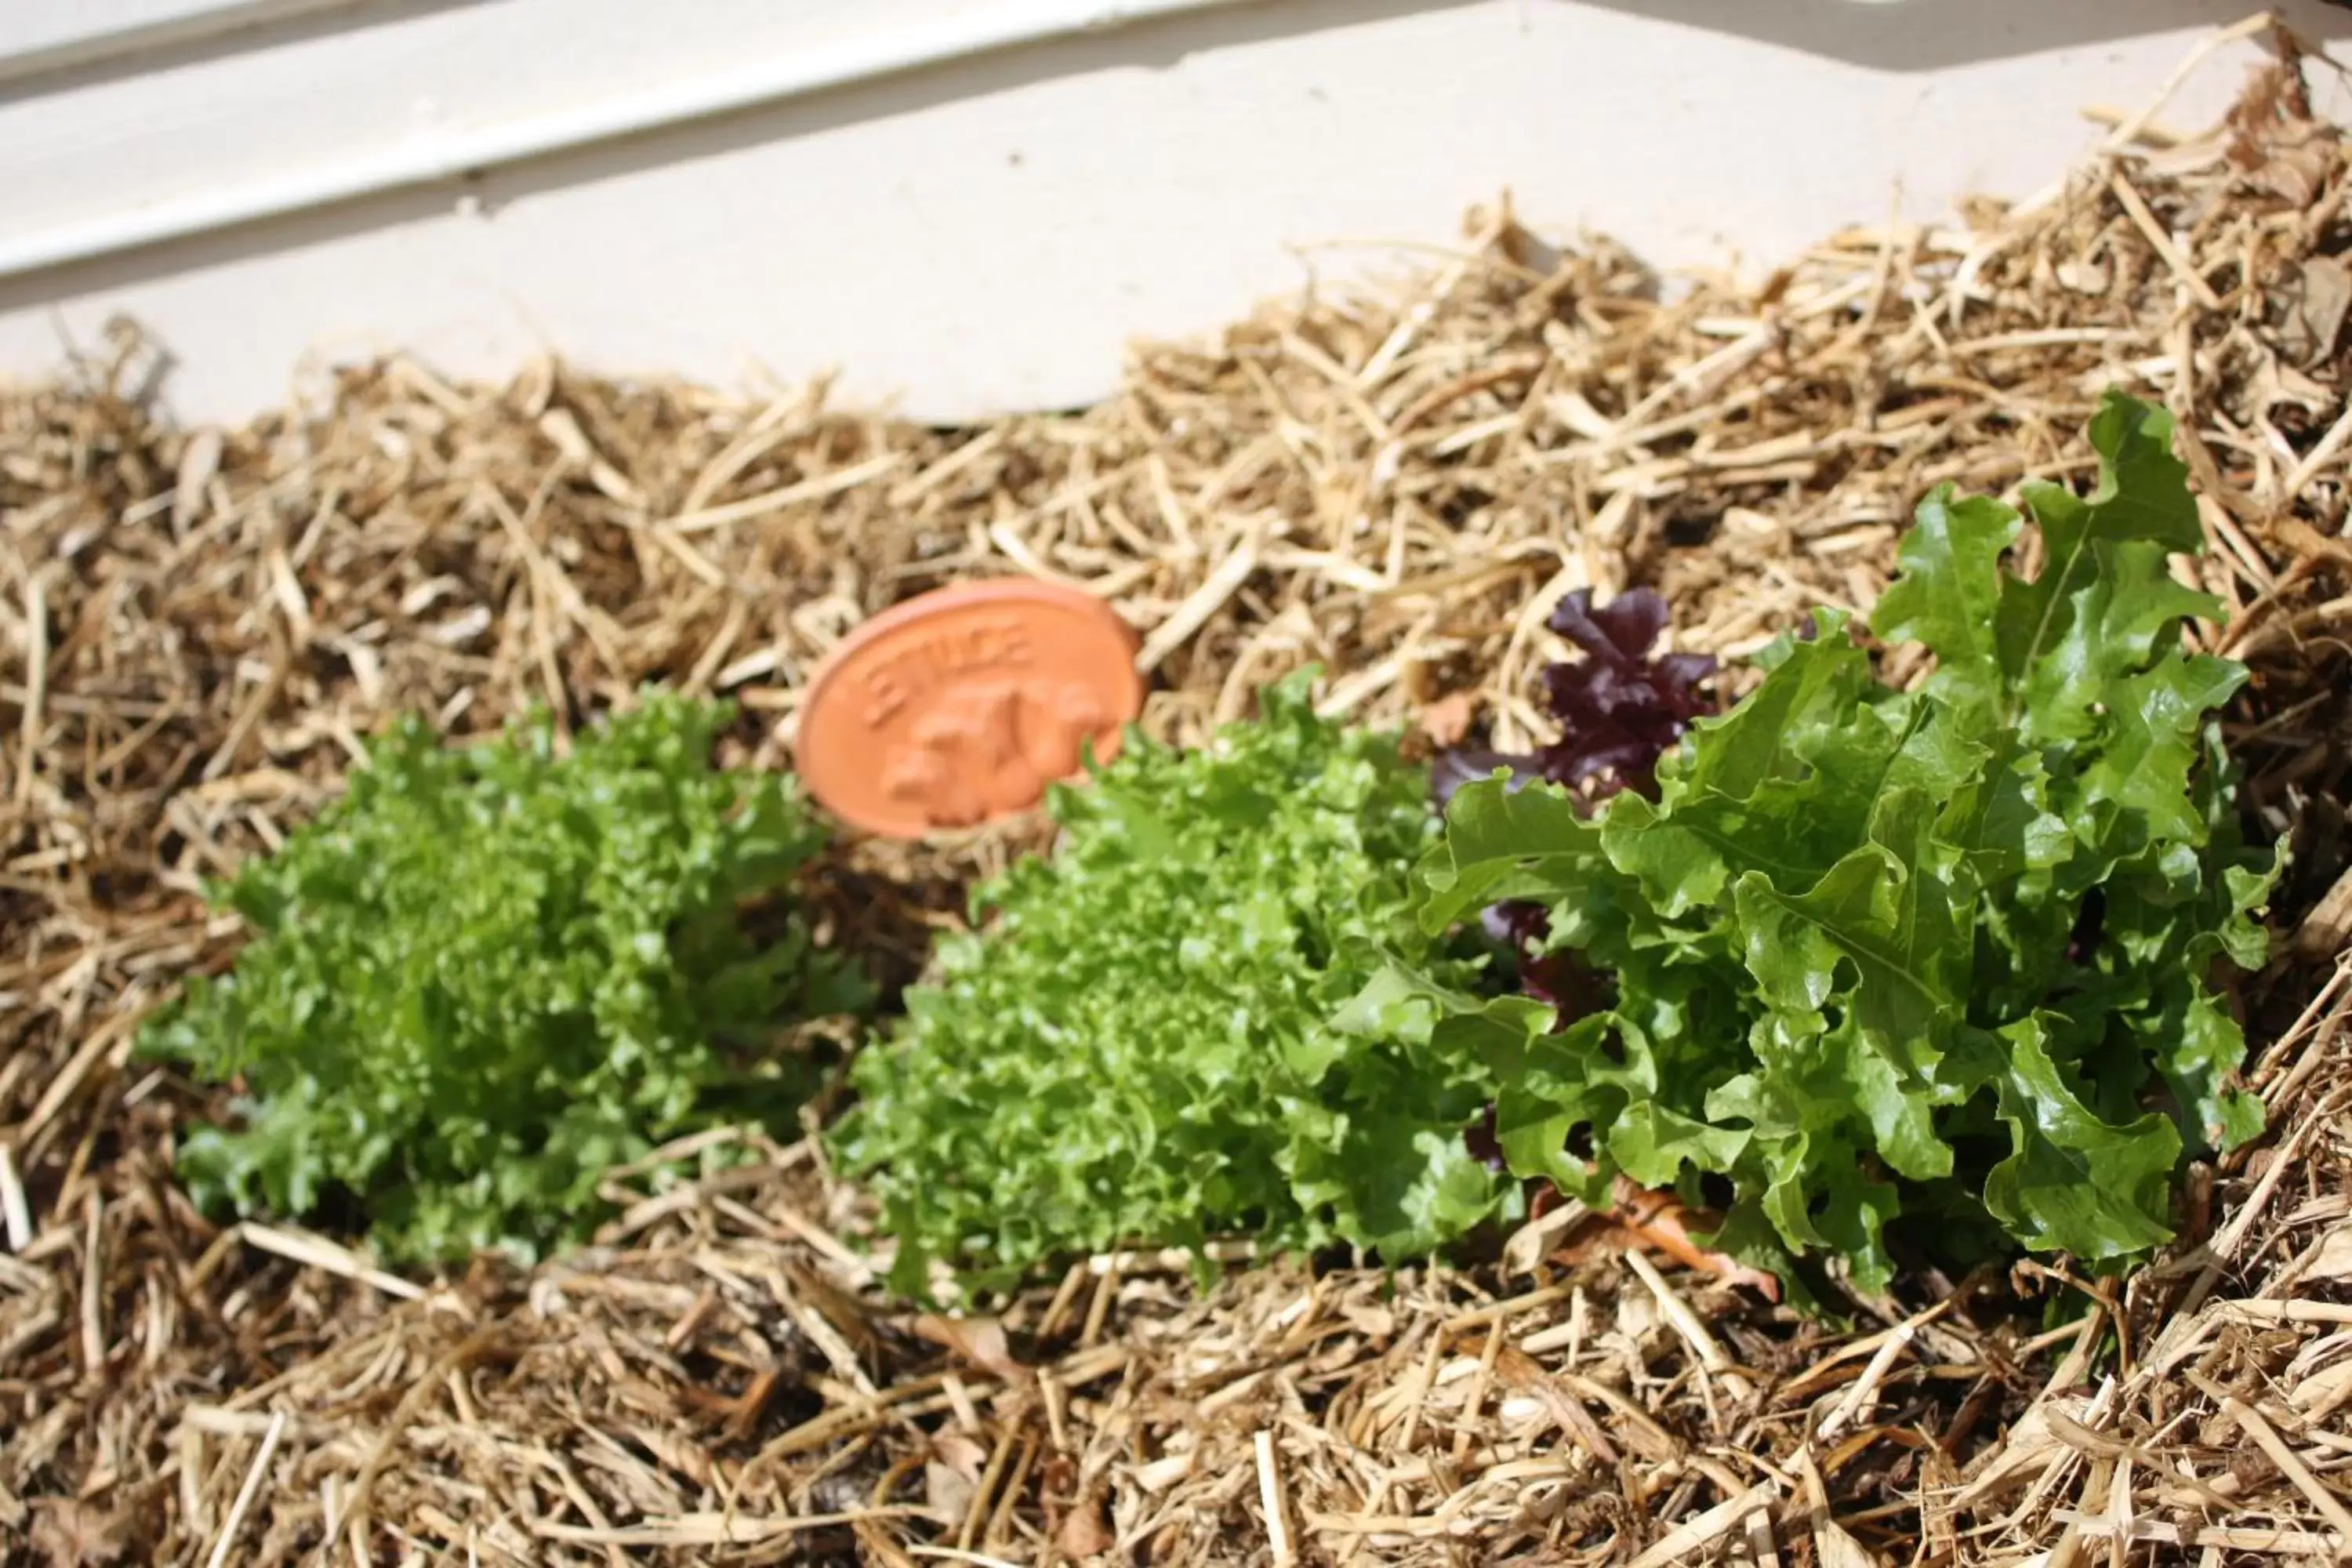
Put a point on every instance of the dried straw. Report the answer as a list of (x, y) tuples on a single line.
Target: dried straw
[(1395, 483)]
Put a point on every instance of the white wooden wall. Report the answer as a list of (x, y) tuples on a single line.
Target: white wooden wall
[(967, 205)]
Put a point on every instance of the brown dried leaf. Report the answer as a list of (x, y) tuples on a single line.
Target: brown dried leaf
[(2313, 310), (1544, 1236), (1836, 1548), (951, 1472), (844, 1312), (1665, 1224), (959, 1454), (2296, 173), (1084, 1531), (2275, 144), (2323, 1392), (1447, 720), (980, 1341), (947, 1491), (2334, 1260), (74, 1534), (2324, 932)]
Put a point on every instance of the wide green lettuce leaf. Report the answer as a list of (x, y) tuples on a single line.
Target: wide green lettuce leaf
[(1948, 950)]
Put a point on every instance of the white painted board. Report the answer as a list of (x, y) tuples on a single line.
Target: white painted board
[(984, 233)]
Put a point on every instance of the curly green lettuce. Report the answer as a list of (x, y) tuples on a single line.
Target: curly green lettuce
[(1151, 1039), (489, 974), (1947, 954)]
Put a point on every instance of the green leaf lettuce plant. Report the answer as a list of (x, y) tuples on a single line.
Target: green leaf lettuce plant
[(487, 973), (1158, 1033), (1947, 952)]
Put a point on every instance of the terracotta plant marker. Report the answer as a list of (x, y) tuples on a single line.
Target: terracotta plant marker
[(959, 707)]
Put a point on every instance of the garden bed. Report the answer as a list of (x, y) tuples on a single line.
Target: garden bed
[(1395, 484)]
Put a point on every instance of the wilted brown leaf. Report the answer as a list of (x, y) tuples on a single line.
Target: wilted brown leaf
[(1837, 1549), (952, 1471), (73, 1535), (1664, 1226), (2324, 930), (2334, 1260), (947, 1491), (2313, 307), (1536, 1240), (1447, 720), (1659, 1222), (1084, 1532), (2276, 146), (980, 1341), (959, 1454)]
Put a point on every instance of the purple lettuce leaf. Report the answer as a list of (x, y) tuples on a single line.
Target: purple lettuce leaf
[(1618, 708), (1620, 711)]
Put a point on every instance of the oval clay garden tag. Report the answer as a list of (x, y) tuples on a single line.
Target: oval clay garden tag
[(961, 706)]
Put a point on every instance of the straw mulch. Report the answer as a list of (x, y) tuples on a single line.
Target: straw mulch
[(1398, 484)]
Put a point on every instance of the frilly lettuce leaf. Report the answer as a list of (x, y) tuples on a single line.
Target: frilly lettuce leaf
[(1878, 951), (1167, 1029), (489, 973)]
